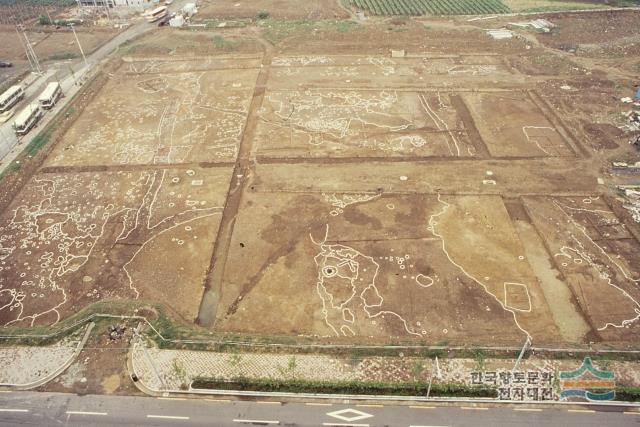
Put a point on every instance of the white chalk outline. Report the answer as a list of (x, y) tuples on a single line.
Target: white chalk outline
[(586, 257), (432, 228)]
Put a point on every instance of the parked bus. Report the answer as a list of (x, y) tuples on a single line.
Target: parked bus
[(50, 95), (10, 97), (27, 119), (157, 14)]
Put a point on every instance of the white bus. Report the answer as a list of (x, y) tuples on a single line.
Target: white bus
[(27, 119), (157, 14), (50, 95), (10, 97)]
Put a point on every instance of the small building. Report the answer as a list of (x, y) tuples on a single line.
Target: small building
[(189, 9), (176, 21), (134, 4)]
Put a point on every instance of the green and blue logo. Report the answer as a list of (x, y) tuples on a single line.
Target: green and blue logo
[(588, 383)]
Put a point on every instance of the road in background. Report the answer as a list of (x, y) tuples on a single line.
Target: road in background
[(71, 75), (92, 410)]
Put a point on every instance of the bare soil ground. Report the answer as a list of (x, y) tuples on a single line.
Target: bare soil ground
[(152, 112), (283, 179), (309, 9), (48, 44), (100, 368)]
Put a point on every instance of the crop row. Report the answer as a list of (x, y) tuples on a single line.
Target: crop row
[(430, 7)]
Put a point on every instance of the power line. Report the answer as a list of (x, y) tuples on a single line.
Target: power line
[(31, 54)]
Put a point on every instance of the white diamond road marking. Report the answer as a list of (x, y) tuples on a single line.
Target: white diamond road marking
[(349, 415)]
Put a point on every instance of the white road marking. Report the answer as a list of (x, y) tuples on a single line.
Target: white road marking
[(631, 412), (171, 398), (13, 410), (85, 413), (370, 406), (344, 425), (528, 409), (474, 408), (168, 417), (422, 407), (583, 411), (219, 400), (318, 404), (256, 421), (266, 402), (426, 426)]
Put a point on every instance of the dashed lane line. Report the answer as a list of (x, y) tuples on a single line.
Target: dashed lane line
[(171, 398), (85, 413), (168, 417), (369, 406), (318, 404), (422, 407), (581, 411), (13, 410), (266, 402), (631, 412), (219, 400), (474, 408), (528, 409), (237, 420)]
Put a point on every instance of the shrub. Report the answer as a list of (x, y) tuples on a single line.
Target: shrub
[(44, 20)]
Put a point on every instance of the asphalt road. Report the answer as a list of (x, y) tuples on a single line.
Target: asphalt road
[(10, 145), (33, 408)]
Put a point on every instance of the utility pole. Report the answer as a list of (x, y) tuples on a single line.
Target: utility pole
[(73, 76), (31, 54), (79, 45), (106, 6), (25, 48), (435, 371), (526, 345), (47, 12)]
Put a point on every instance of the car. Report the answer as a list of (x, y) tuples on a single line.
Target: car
[(5, 64)]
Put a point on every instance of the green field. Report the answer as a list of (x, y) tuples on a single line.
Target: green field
[(430, 7)]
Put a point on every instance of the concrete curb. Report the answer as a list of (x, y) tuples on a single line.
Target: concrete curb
[(358, 397), (59, 370)]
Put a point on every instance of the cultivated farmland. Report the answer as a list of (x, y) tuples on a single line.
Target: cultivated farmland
[(430, 7)]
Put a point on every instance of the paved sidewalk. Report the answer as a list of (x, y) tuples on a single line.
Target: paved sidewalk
[(171, 370), (26, 365)]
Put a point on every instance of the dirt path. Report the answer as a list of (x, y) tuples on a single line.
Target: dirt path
[(240, 180)]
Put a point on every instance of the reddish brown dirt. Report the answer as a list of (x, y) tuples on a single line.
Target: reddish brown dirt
[(396, 156), (309, 9)]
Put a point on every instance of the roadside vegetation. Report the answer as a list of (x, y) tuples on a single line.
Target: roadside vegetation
[(345, 387)]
